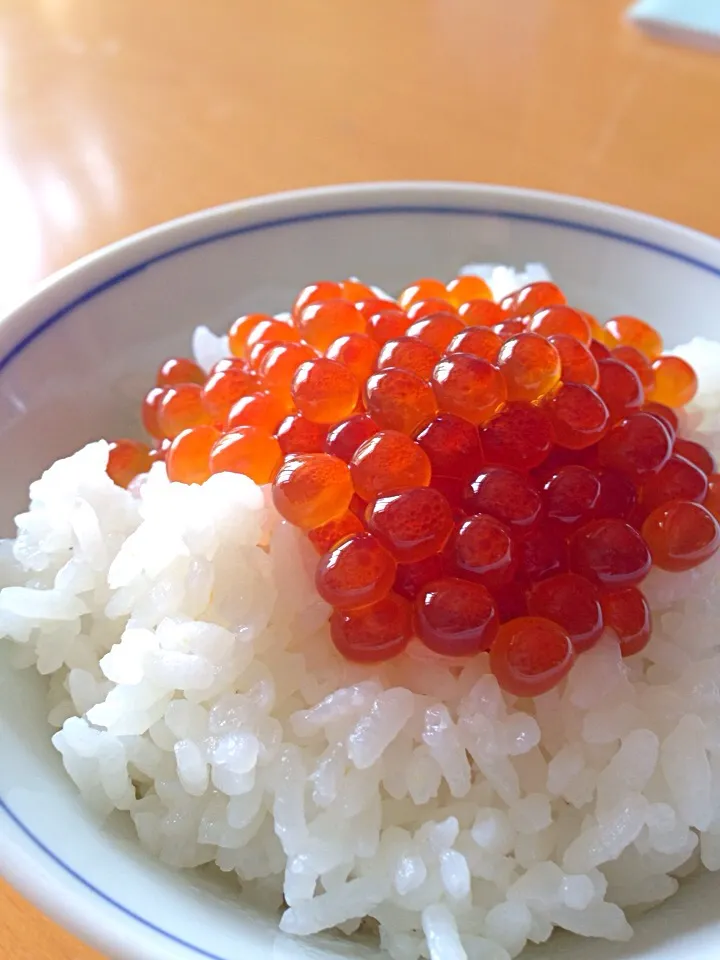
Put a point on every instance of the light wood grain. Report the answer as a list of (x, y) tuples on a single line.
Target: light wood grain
[(119, 114)]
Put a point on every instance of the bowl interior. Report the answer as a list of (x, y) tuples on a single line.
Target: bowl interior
[(74, 363)]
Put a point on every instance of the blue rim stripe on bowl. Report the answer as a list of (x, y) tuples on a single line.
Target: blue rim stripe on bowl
[(119, 278)]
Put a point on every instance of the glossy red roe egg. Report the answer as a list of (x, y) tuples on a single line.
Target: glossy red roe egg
[(179, 370), (436, 330), (468, 387), (666, 414), (532, 297), (409, 353), (356, 573), (542, 552), (478, 341), (345, 437), (506, 495), (577, 363), (620, 388), (678, 479), (483, 550), (399, 400), (599, 350), (297, 434), (455, 617), (578, 416), (696, 453), (531, 655), (356, 351), (637, 361), (388, 462), (609, 553), (530, 365), (374, 633), (452, 445), (572, 602), (328, 534), (637, 446), (571, 495), (410, 578), (422, 309), (561, 319), (519, 436), (413, 524), (681, 534), (481, 313), (388, 322), (627, 612), (618, 495)]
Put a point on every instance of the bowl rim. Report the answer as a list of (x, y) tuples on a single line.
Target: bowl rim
[(41, 876)]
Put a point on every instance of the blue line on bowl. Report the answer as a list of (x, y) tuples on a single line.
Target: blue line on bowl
[(253, 228)]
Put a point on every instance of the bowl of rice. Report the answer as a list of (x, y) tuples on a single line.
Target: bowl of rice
[(189, 765)]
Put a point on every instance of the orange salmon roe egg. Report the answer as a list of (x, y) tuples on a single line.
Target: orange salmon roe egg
[(573, 603), (530, 656), (311, 489), (355, 291), (241, 330), (610, 553), (356, 351), (261, 409), (452, 446), (409, 353), (326, 536), (479, 341), (481, 313), (532, 297), (469, 387), (423, 309), (577, 362), (297, 434), (248, 450), (530, 365), (127, 459), (678, 479), (519, 436), (681, 534), (455, 617), (437, 330), (413, 524), (179, 370), (578, 416), (321, 323), (675, 382), (223, 390), (182, 407), (279, 365), (483, 550), (375, 633), (668, 416), (696, 453), (507, 495), (620, 388), (150, 410), (345, 437), (259, 352), (399, 400), (356, 573), (638, 362), (462, 289), (637, 446), (387, 323), (627, 612), (267, 331), (597, 331), (158, 454), (316, 293), (632, 332), (188, 459), (422, 290), (324, 390), (512, 327), (561, 319), (387, 462)]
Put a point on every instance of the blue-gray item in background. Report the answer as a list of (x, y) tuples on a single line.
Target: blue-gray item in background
[(695, 22)]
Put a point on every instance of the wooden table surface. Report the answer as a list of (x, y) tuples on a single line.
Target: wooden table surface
[(118, 114)]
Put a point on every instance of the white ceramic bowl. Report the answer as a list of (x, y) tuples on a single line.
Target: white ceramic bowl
[(74, 360)]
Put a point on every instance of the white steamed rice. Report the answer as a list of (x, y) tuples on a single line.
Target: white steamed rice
[(193, 684)]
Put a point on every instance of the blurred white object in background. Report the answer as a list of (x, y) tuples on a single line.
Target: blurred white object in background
[(695, 22)]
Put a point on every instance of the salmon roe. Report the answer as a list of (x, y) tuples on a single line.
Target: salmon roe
[(311, 489), (531, 366), (473, 475), (126, 460)]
